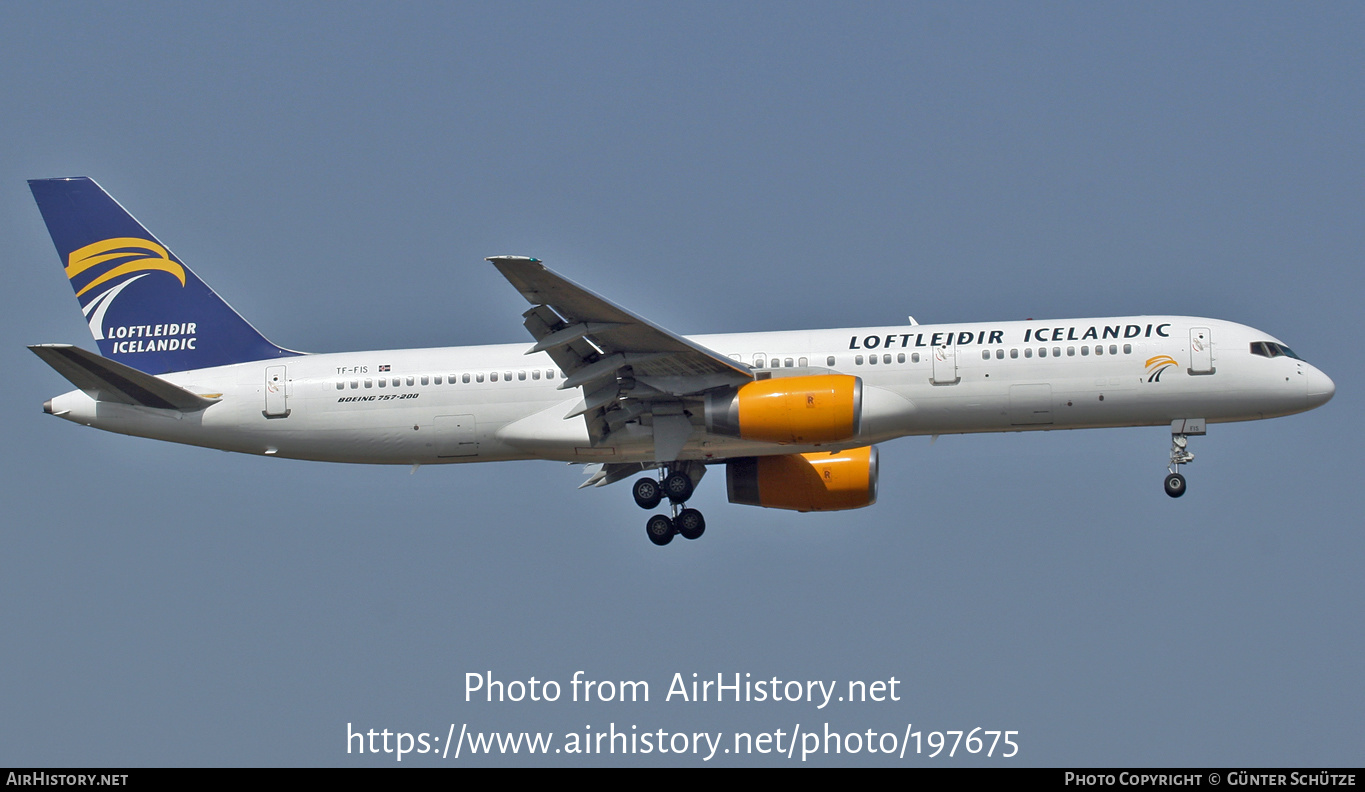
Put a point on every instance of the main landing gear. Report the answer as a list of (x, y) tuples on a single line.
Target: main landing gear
[(1181, 429), (678, 485)]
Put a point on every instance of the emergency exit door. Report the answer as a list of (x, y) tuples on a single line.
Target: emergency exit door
[(455, 436)]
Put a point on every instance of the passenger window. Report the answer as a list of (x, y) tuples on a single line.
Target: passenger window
[(886, 358), (803, 362), (788, 362), (507, 375), (369, 383), (477, 377), (1071, 351), (829, 361), (1085, 351), (871, 360), (999, 354), (341, 386), (383, 382), (914, 357), (493, 377), (1099, 349), (1042, 351), (1014, 354), (425, 380), (985, 354), (436, 379), (549, 373), (1056, 351), (760, 361), (776, 363), (1127, 349), (355, 384), (900, 358), (521, 375), (1113, 349), (535, 374), (1028, 352), (410, 381), (858, 360)]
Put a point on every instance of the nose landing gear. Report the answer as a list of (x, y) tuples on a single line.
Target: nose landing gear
[(1181, 429), (678, 485)]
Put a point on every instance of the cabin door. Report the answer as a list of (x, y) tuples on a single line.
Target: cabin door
[(1201, 351), (276, 392), (945, 364)]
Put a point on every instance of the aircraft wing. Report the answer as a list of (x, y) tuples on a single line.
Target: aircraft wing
[(625, 364)]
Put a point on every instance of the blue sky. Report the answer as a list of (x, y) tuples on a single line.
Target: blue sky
[(338, 172)]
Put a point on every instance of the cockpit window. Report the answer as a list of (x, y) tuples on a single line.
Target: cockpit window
[(1271, 349)]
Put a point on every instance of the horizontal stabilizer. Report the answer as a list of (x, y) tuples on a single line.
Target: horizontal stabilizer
[(104, 380)]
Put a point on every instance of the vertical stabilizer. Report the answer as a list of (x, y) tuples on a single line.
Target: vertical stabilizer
[(145, 308)]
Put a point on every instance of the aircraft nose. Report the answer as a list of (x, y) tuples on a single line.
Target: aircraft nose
[(1320, 388)]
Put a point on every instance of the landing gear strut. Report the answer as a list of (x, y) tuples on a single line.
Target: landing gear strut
[(1181, 429), (677, 485)]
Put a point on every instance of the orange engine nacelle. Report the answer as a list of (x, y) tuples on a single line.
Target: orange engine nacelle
[(823, 408), (805, 482)]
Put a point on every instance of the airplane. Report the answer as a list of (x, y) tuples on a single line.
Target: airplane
[(794, 416)]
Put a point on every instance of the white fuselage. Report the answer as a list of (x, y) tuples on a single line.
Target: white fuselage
[(497, 403)]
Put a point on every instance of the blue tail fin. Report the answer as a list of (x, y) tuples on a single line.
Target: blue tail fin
[(146, 309)]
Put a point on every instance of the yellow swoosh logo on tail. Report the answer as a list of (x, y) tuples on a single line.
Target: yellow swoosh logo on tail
[(137, 255)]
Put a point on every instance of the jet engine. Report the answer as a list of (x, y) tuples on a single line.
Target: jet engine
[(805, 482), (823, 408)]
